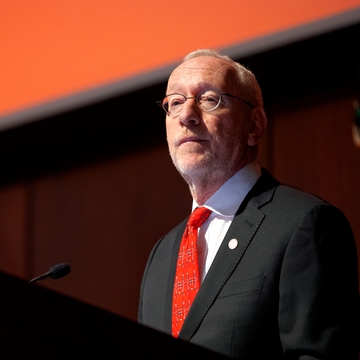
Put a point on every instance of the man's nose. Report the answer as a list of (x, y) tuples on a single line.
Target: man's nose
[(190, 113)]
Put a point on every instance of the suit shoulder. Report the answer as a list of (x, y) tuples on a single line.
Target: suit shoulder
[(290, 192), (285, 200), (269, 190), (290, 200)]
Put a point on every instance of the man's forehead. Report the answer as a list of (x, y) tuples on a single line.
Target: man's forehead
[(200, 69)]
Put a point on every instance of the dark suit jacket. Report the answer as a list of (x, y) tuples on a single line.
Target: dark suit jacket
[(289, 290)]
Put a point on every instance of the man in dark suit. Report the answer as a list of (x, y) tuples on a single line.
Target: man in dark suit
[(277, 266)]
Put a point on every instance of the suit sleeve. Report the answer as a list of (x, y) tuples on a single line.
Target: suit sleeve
[(140, 309), (319, 298)]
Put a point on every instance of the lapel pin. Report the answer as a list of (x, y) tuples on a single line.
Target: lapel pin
[(233, 243)]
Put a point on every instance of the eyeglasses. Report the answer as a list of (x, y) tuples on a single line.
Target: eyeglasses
[(207, 100)]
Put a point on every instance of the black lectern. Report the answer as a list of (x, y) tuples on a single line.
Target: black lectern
[(36, 323)]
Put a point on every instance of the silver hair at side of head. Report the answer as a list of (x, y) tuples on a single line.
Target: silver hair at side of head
[(247, 81)]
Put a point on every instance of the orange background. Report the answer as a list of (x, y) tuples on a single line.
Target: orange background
[(50, 49)]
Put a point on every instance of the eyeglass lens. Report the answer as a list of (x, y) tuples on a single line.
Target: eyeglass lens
[(207, 100)]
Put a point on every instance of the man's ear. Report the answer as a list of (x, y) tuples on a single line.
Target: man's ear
[(257, 126)]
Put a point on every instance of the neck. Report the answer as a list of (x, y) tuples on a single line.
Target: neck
[(203, 186), (201, 193), (203, 183)]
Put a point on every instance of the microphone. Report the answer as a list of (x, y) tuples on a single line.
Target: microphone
[(55, 272)]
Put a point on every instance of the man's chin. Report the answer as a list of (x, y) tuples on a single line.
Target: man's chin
[(191, 169)]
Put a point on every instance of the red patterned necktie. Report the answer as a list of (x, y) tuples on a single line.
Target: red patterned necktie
[(187, 278)]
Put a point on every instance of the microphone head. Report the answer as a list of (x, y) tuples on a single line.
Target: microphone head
[(59, 270)]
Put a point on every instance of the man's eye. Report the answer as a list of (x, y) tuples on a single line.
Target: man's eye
[(176, 102), (209, 99)]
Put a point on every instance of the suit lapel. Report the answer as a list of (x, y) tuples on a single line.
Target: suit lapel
[(243, 228)]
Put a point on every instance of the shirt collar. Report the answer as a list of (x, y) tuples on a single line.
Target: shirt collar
[(227, 199)]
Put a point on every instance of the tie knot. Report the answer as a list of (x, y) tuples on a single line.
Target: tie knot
[(198, 217)]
